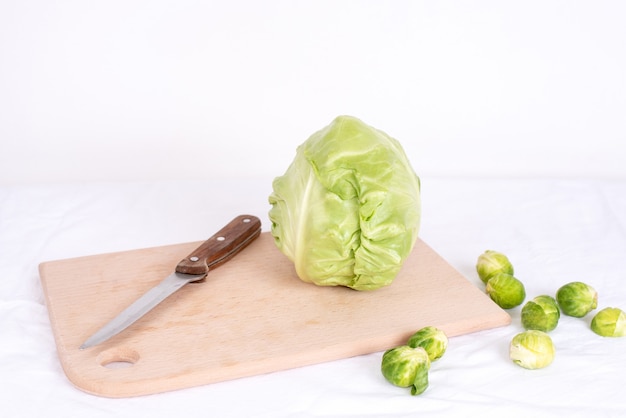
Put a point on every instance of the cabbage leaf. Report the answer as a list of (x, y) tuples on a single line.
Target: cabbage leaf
[(347, 210)]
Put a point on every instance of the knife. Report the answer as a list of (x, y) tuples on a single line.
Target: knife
[(212, 253)]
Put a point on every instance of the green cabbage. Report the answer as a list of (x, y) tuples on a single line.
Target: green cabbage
[(347, 210)]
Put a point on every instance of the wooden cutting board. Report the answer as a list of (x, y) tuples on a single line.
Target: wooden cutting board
[(250, 316)]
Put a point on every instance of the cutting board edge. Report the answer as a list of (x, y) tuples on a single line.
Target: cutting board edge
[(100, 387)]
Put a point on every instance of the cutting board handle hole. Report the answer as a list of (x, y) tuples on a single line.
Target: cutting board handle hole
[(118, 358)]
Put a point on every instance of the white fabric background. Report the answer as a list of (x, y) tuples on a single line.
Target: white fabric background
[(554, 231), (142, 90), (511, 112)]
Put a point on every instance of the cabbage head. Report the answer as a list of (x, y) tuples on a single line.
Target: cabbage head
[(347, 210)]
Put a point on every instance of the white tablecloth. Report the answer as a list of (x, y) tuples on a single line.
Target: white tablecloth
[(554, 231)]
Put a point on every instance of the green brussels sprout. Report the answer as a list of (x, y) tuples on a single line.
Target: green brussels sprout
[(609, 322), (506, 291), (542, 313), (491, 263), (577, 299), (532, 349), (405, 367), (431, 339)]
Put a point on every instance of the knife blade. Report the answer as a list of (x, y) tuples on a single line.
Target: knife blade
[(212, 253)]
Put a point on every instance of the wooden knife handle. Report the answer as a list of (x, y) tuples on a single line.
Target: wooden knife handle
[(222, 246)]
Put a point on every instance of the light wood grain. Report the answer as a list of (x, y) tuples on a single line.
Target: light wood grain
[(251, 316)]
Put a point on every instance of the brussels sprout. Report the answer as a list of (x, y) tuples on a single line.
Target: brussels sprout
[(491, 263), (609, 322), (532, 349), (405, 366), (431, 339), (542, 313), (577, 299), (506, 290)]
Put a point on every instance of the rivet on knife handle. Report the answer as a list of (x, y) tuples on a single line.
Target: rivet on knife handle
[(224, 244)]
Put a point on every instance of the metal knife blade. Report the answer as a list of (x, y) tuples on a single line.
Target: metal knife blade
[(212, 253)]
